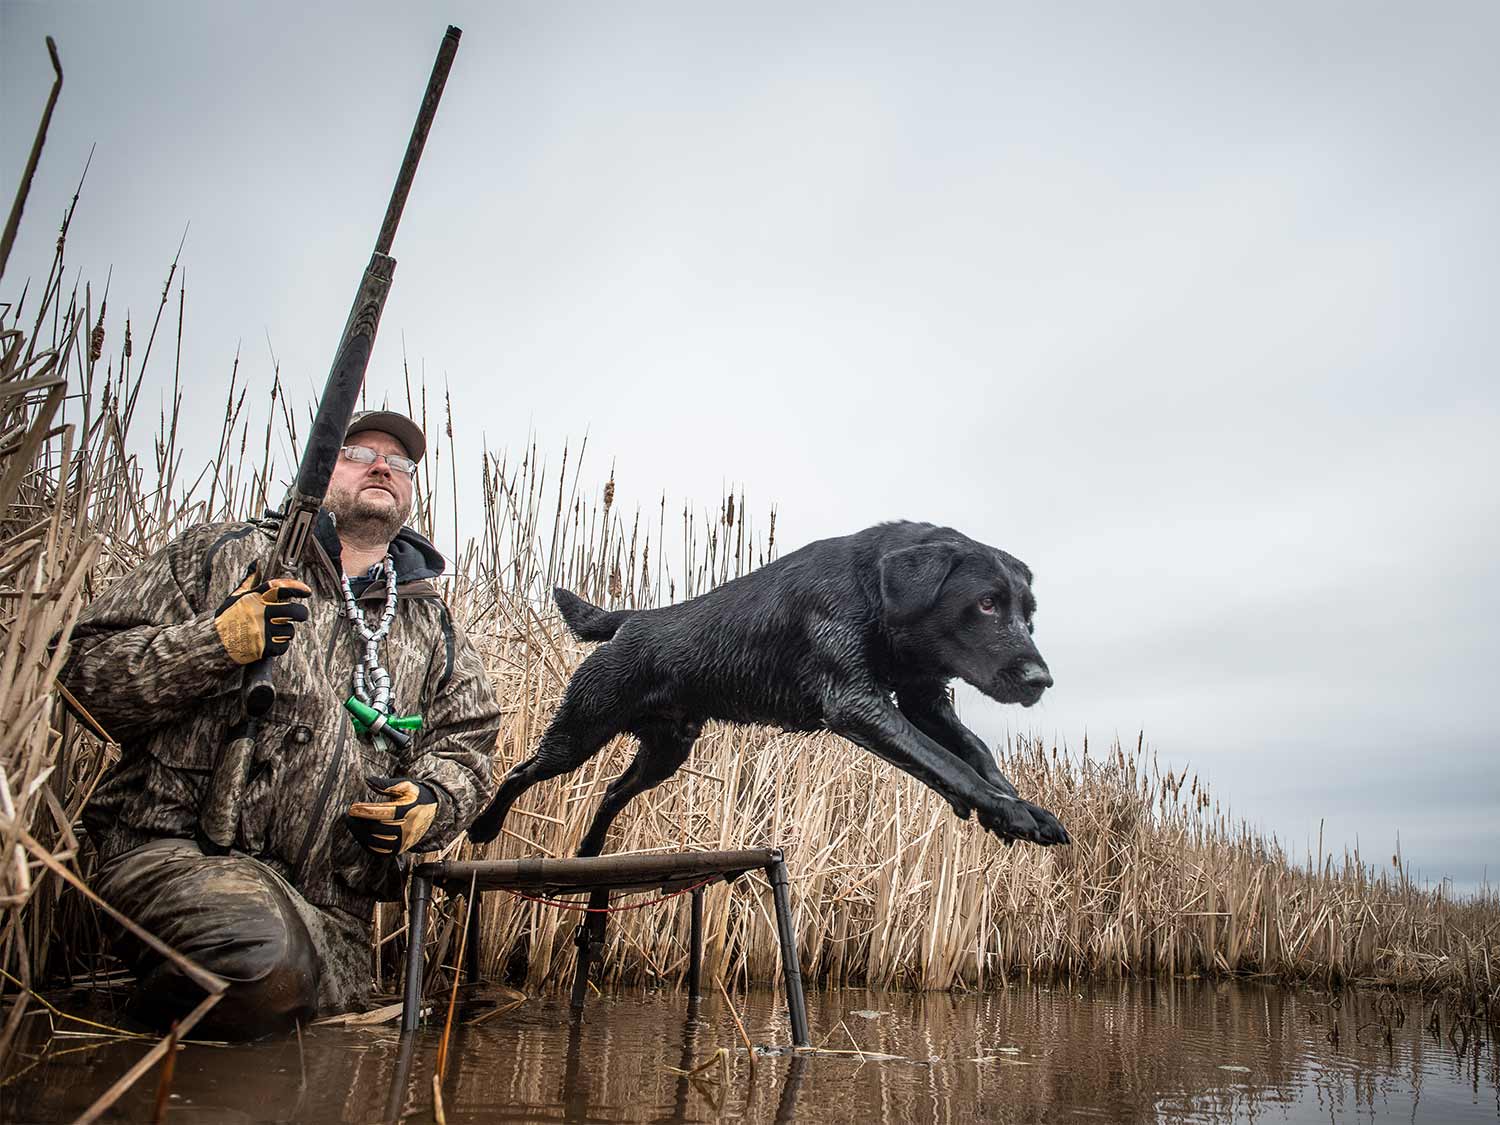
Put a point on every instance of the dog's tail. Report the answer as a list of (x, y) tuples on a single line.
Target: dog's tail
[(589, 622)]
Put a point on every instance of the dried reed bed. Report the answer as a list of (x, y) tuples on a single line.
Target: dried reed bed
[(47, 552), (890, 889)]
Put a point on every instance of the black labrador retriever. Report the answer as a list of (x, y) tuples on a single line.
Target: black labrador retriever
[(822, 638)]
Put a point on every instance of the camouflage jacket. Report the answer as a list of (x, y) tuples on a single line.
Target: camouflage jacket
[(147, 662)]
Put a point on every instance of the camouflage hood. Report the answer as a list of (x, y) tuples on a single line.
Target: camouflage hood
[(414, 557)]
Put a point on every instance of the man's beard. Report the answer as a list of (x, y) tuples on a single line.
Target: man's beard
[(365, 522)]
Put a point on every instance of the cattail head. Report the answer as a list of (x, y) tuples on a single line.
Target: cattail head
[(609, 492), (127, 337), (96, 337), (615, 586), (729, 512)]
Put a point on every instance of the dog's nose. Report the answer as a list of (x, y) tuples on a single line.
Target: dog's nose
[(1035, 675)]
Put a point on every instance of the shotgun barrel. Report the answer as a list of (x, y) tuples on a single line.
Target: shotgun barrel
[(219, 815)]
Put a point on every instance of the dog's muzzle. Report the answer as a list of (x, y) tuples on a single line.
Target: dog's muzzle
[(1028, 682)]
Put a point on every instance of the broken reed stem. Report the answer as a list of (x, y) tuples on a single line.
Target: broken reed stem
[(146, 1062), (168, 1068), (463, 946), (13, 219), (738, 1023)]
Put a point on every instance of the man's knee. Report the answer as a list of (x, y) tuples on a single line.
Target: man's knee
[(273, 977), (228, 915)]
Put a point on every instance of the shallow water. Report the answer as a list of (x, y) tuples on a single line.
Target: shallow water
[(1182, 1051)]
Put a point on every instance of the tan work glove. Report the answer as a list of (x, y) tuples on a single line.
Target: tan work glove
[(259, 618), (394, 826)]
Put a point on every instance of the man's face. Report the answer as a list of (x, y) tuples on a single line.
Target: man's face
[(374, 493)]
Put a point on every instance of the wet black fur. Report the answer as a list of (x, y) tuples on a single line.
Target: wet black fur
[(859, 635)]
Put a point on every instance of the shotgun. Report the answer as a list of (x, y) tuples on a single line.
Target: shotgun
[(218, 816)]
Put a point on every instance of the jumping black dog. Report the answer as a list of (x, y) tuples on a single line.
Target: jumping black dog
[(859, 635)]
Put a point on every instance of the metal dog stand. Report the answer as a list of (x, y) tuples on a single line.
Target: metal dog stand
[(599, 877)]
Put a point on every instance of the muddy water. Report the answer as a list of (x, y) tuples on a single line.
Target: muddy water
[(1137, 1052)]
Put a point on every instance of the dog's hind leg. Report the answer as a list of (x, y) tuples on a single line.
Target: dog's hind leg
[(665, 745), (591, 713)]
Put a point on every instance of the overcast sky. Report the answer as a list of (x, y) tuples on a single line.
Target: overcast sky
[(1190, 306)]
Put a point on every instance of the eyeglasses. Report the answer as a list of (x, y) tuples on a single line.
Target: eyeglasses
[(364, 455)]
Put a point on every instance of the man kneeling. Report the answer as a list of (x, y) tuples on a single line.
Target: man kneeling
[(285, 915)]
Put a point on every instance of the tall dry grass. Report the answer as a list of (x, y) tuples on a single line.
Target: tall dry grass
[(890, 889)]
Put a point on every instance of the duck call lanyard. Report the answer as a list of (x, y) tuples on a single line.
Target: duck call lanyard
[(371, 702)]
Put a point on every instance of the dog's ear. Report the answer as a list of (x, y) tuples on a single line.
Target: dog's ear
[(911, 578)]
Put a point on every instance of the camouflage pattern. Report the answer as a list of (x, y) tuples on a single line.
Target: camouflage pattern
[(148, 664), (284, 958)]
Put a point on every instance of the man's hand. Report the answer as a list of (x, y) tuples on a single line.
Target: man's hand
[(259, 618), (392, 827)]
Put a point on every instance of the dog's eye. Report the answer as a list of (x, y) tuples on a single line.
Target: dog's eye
[(986, 604)]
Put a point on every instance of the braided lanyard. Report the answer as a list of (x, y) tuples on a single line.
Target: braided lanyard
[(372, 683)]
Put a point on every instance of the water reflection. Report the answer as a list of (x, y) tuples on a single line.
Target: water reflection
[(1182, 1051)]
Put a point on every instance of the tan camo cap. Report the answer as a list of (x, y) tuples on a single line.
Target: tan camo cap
[(399, 426)]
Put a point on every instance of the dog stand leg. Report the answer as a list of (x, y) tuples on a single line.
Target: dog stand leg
[(590, 942), (395, 1099), (695, 948), (416, 930), (786, 933)]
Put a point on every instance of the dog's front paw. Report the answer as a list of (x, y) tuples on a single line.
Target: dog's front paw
[(1008, 819), (486, 826), (1049, 828)]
